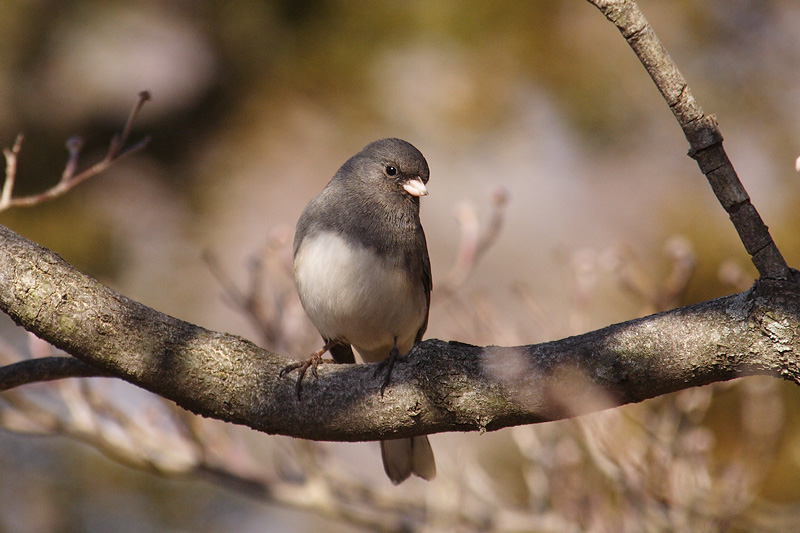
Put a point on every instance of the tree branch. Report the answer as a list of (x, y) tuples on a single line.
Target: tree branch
[(44, 369), (69, 179), (440, 386), (703, 134)]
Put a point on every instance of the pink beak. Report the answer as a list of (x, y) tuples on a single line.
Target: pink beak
[(415, 187)]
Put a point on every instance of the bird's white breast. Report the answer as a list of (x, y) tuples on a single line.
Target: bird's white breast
[(354, 295)]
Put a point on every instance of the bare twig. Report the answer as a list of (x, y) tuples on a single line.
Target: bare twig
[(474, 243), (11, 169), (68, 177), (74, 146), (703, 134), (246, 301), (635, 277)]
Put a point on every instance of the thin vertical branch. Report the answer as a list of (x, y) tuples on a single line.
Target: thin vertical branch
[(703, 134), (11, 170)]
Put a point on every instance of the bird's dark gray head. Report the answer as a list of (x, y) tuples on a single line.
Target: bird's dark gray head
[(392, 161), (401, 155)]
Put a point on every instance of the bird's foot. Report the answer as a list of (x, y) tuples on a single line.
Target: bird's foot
[(387, 364), (312, 362)]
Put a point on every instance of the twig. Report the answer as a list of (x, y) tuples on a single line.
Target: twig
[(474, 243), (11, 169), (264, 305), (703, 134), (246, 302), (68, 177), (634, 277)]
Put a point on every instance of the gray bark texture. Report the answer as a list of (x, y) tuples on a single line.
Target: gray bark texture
[(702, 132), (441, 386)]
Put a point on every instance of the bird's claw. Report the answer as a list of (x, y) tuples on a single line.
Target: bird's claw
[(302, 366)]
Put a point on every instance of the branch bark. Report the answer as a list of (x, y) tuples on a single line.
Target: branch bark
[(703, 134), (45, 369), (440, 387)]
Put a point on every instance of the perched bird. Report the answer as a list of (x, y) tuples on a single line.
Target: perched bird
[(362, 270)]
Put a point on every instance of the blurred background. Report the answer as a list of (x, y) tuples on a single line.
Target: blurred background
[(255, 104)]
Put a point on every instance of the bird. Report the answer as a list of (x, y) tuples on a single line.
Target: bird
[(363, 274)]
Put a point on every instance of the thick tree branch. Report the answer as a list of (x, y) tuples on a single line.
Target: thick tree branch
[(440, 387), (45, 369), (702, 132)]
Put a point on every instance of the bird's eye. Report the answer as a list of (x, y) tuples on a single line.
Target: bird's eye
[(390, 170)]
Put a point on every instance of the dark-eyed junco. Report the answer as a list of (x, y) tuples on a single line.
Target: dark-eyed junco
[(363, 274)]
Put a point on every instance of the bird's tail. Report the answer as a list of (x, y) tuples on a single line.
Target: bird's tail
[(403, 457)]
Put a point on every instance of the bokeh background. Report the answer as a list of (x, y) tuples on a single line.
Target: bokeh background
[(256, 104)]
